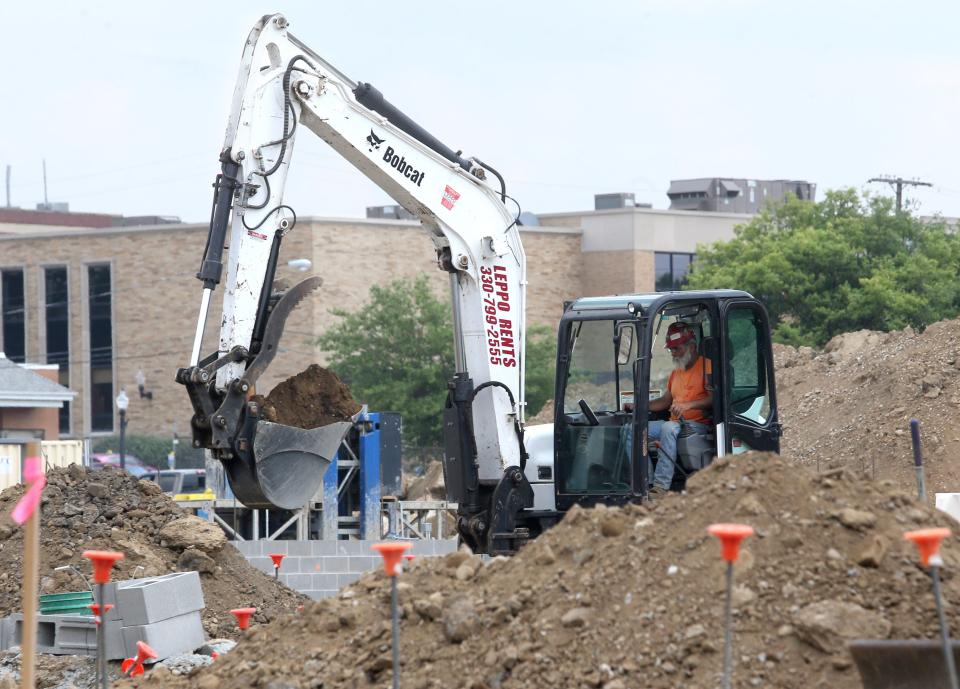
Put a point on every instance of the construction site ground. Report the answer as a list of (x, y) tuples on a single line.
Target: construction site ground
[(611, 598)]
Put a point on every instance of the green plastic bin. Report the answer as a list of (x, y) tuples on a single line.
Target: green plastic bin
[(66, 603)]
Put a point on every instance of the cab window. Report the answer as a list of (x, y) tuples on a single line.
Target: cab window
[(592, 374), (747, 385)]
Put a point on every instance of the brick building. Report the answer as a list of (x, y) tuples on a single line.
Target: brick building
[(30, 401), (114, 305)]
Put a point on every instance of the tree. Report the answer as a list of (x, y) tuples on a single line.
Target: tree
[(396, 353), (845, 263)]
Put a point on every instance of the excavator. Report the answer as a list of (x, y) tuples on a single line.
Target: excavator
[(510, 481)]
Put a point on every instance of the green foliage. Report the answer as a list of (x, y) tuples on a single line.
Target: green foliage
[(540, 368), (396, 354), (845, 263)]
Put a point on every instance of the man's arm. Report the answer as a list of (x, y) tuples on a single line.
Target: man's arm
[(703, 403), (661, 403)]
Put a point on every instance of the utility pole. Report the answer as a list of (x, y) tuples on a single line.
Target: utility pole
[(900, 183)]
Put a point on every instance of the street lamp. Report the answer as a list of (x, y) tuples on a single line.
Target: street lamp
[(122, 402)]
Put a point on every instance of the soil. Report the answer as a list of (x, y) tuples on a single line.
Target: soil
[(616, 598), (633, 596), (314, 397), (851, 404), (110, 510)]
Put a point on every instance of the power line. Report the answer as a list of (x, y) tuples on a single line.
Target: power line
[(900, 183)]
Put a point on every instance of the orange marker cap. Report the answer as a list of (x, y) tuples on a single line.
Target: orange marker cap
[(730, 536), (243, 616), (391, 552), (95, 609), (408, 557), (927, 542), (144, 652), (277, 558), (103, 561)]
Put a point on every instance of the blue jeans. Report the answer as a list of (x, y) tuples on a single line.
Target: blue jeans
[(666, 432)]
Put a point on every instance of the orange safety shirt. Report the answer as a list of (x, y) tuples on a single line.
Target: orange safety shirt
[(688, 386)]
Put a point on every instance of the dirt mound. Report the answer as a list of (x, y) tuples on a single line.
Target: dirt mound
[(312, 398), (545, 415), (110, 510), (430, 486), (633, 596), (851, 404)]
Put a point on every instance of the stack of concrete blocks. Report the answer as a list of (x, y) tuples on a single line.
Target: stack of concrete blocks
[(320, 569), (163, 612)]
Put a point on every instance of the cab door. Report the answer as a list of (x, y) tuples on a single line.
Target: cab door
[(750, 420)]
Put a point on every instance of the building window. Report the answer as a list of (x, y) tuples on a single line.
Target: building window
[(101, 348), (57, 296), (14, 325), (671, 270)]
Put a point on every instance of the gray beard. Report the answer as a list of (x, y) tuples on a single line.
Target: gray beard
[(685, 360)]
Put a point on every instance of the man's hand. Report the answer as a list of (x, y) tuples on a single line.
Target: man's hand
[(680, 408)]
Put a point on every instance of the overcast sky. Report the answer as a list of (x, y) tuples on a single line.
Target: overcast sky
[(128, 101)]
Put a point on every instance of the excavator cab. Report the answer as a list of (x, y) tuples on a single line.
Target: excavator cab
[(612, 363)]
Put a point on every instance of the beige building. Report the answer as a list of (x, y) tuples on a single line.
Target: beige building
[(116, 306)]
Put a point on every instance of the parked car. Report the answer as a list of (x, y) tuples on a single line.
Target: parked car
[(134, 465), (180, 483)]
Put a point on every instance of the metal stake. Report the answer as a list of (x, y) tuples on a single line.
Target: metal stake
[(728, 629), (396, 633), (101, 651), (944, 630), (918, 458)]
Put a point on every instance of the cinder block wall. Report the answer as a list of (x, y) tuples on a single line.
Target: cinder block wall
[(321, 568)]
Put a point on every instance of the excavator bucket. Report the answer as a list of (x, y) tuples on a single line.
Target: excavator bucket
[(287, 466), (902, 664)]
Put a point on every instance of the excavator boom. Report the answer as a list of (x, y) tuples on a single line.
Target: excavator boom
[(284, 87)]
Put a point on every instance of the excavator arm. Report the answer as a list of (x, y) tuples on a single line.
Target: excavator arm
[(284, 87)]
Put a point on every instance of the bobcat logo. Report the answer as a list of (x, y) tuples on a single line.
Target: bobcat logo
[(374, 142)]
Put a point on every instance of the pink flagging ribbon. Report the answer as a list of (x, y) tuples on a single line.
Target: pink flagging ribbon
[(34, 477)]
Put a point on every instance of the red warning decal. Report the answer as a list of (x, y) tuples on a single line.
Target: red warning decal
[(450, 196)]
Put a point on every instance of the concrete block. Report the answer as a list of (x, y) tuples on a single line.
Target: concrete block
[(249, 548), (364, 563), (57, 634), (323, 547), (268, 547), (336, 564), (264, 564), (422, 548), (299, 548), (347, 578), (174, 635), (324, 581), (311, 565), (154, 599), (320, 594), (354, 547), (300, 582), (445, 546)]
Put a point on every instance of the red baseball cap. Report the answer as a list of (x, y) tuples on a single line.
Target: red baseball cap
[(678, 334)]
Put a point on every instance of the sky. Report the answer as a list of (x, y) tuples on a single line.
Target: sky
[(127, 102)]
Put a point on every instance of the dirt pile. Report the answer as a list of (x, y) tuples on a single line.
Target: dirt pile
[(633, 596), (110, 510), (851, 404), (545, 415), (312, 398)]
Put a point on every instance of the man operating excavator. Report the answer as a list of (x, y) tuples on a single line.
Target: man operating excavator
[(686, 397)]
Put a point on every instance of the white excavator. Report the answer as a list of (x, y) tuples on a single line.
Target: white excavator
[(510, 481)]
